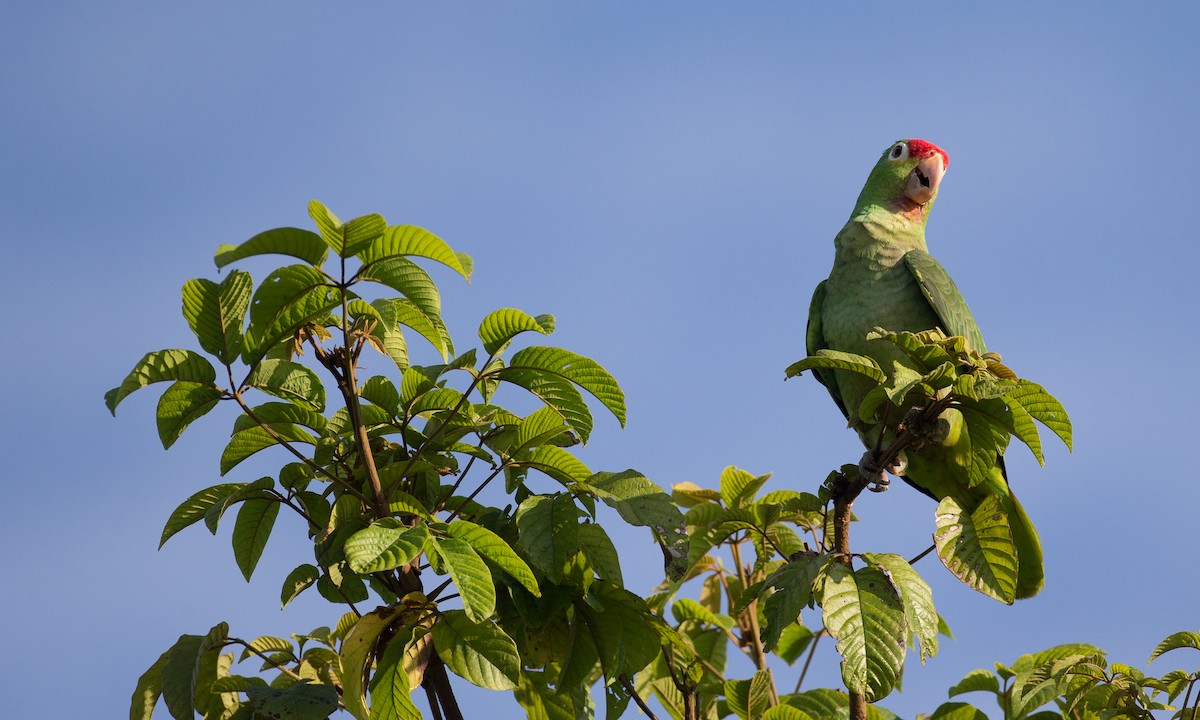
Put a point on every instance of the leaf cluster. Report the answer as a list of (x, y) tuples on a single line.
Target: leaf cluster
[(388, 474)]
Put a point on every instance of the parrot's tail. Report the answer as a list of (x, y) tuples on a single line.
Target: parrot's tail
[(1031, 574)]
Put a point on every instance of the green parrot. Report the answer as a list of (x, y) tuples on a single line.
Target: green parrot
[(883, 276)]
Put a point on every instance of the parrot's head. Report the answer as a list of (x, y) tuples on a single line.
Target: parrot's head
[(906, 178)]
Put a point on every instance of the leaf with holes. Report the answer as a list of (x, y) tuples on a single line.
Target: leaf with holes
[(862, 612), (978, 546), (216, 313)]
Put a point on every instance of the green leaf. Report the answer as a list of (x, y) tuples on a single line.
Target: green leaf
[(402, 311), (297, 582), (793, 583), (414, 241), (976, 681), (194, 508), (598, 548), (385, 545), (785, 712), (738, 486), (470, 575), (267, 644), (289, 381), (479, 652), (356, 652), (621, 626), (541, 426), (298, 701), (501, 326), (380, 391), (862, 612), (179, 676), (389, 686), (1044, 408), (247, 442), (1184, 639), (407, 278), (290, 297), (495, 550), (161, 366), (350, 238), (557, 463), (978, 547), (549, 527), (917, 597), (296, 242), (556, 392), (582, 371), (835, 360), (688, 609), (251, 531), (637, 499), (179, 405), (280, 413), (959, 711), (216, 313), (148, 690)]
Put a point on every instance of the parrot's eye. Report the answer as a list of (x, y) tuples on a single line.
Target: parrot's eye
[(899, 152)]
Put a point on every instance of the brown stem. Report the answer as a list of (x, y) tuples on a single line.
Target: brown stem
[(845, 494), (437, 682), (633, 693)]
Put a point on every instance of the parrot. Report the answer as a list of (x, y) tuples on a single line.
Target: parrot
[(884, 277)]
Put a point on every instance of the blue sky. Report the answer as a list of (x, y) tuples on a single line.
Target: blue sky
[(667, 179)]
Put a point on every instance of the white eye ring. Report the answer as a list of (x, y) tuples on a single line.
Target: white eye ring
[(899, 152)]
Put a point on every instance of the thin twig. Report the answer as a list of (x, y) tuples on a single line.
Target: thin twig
[(633, 693), (812, 649), (924, 552)]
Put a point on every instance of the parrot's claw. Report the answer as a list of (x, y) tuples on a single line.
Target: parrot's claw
[(875, 474)]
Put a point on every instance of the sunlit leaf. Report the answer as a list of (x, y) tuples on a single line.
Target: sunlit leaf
[(496, 551), (414, 241), (501, 326), (390, 687), (584, 372), (470, 575), (193, 509), (288, 298), (835, 360), (1184, 639), (862, 612), (978, 547), (289, 381), (408, 279), (297, 581), (247, 442), (738, 487), (1044, 408), (216, 313), (251, 531), (162, 366), (479, 652), (180, 404), (296, 242), (148, 690), (917, 597), (385, 545)]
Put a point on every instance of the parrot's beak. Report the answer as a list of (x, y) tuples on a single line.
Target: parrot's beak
[(922, 183)]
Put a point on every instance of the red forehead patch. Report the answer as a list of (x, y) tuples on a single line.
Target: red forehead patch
[(921, 148)]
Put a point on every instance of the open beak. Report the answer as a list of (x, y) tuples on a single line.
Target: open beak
[(922, 183)]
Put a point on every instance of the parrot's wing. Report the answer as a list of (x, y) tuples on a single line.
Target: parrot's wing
[(944, 298), (815, 340)]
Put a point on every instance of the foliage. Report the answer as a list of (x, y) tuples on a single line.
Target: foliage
[(388, 479), (390, 474)]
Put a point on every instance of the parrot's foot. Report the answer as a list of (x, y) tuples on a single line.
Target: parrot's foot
[(875, 473), (924, 431)]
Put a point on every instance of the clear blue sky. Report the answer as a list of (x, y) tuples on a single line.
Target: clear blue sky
[(667, 179)]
